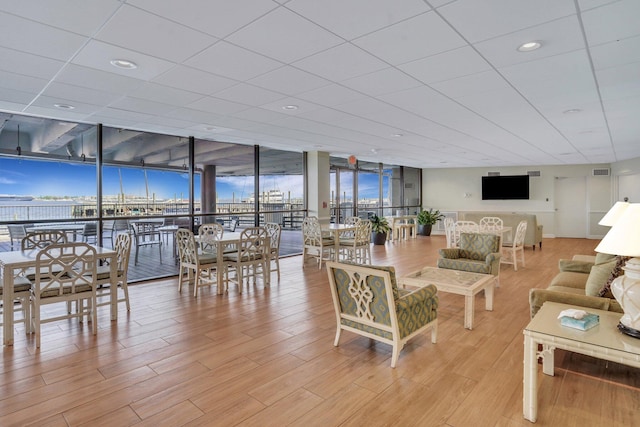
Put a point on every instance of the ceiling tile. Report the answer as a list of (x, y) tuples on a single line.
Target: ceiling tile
[(357, 17), (152, 35), (473, 84), (32, 37), (216, 17), (284, 42), (193, 80), (381, 82), (141, 106), (616, 53), (331, 95), (482, 20), (82, 17), (231, 61), (445, 66), (353, 62), (79, 94), (22, 83), (165, 94), (28, 64), (91, 78), (217, 106), (98, 55), (248, 94), (614, 21), (415, 38), (289, 80)]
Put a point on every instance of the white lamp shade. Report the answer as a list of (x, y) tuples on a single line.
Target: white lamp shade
[(614, 213), (624, 237)]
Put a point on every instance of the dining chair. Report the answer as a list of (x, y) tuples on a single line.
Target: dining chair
[(274, 231), (511, 249), (208, 234), (21, 296), (449, 231), (490, 223), (42, 239), (89, 231), (202, 264), (357, 248), (65, 273), (463, 227), (17, 232), (251, 258), (122, 246), (314, 243), (111, 228)]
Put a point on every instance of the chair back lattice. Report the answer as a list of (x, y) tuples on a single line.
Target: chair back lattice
[(463, 227), (352, 220), (122, 246), (253, 244), (311, 232), (274, 232), (208, 234), (521, 231), (42, 239), (63, 269), (449, 231), (187, 249), (363, 232), (490, 223)]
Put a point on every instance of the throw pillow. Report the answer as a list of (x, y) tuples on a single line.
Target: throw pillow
[(616, 272), (601, 258), (598, 278)]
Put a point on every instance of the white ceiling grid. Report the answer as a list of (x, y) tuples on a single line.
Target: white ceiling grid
[(423, 83)]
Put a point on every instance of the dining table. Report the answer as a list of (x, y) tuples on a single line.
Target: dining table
[(335, 230), (14, 262), (72, 229)]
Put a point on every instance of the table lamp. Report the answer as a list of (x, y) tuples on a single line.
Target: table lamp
[(614, 214), (624, 240)]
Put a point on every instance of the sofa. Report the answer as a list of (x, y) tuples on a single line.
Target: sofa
[(581, 282), (534, 231)]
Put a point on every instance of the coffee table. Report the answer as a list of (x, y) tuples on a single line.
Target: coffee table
[(603, 341), (455, 282)]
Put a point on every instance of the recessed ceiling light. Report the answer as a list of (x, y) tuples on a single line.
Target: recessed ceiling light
[(124, 63), (572, 111), (210, 128), (398, 135), (64, 106), (290, 107), (528, 47)]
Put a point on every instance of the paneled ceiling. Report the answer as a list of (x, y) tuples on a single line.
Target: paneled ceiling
[(436, 83)]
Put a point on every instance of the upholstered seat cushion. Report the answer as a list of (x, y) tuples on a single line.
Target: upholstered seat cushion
[(55, 291), (20, 284), (103, 272), (465, 265)]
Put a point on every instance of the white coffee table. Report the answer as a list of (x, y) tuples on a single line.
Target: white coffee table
[(455, 282), (603, 341)]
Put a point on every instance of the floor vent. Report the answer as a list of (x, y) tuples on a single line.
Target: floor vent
[(601, 172), (493, 173), (533, 173)]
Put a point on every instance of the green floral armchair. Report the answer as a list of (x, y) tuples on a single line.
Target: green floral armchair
[(477, 253), (367, 302)]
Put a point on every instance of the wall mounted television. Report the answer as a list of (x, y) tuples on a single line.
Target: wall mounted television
[(507, 187)]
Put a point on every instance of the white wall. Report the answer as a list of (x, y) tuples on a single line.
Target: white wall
[(459, 190)]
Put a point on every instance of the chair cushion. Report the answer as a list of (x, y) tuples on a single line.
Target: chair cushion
[(601, 258), (465, 265), (416, 309), (20, 284), (54, 292), (476, 246)]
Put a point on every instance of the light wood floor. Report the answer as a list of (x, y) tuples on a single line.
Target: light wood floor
[(266, 358)]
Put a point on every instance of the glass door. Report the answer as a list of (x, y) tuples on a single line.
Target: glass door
[(342, 183)]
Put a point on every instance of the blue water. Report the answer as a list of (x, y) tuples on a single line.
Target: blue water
[(37, 210)]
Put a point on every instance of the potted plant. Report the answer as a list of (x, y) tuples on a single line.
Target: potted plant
[(379, 229), (426, 219)]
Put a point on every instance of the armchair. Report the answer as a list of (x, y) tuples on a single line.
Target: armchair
[(367, 302), (478, 253)]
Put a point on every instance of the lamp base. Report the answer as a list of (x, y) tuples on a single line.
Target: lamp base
[(629, 331)]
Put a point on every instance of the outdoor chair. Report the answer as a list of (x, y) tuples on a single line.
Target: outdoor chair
[(65, 273), (90, 232), (146, 234), (477, 253), (368, 302), (17, 232), (510, 250)]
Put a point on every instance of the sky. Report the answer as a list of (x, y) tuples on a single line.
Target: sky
[(20, 176)]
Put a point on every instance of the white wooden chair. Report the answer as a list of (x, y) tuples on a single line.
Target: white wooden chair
[(274, 231), (65, 273), (510, 250), (202, 264), (122, 247), (314, 244), (251, 258), (463, 227), (357, 248), (449, 231), (490, 223), (208, 234)]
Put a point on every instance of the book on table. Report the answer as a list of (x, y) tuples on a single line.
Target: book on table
[(587, 322)]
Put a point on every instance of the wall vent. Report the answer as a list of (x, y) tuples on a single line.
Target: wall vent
[(408, 185), (533, 173), (601, 172), (493, 173)]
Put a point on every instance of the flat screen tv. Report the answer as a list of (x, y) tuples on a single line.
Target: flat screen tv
[(507, 187)]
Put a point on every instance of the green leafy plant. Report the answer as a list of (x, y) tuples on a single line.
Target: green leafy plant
[(379, 224), (429, 217)]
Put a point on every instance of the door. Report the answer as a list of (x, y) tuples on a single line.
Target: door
[(571, 207)]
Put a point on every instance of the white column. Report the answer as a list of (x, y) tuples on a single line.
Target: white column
[(318, 180)]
